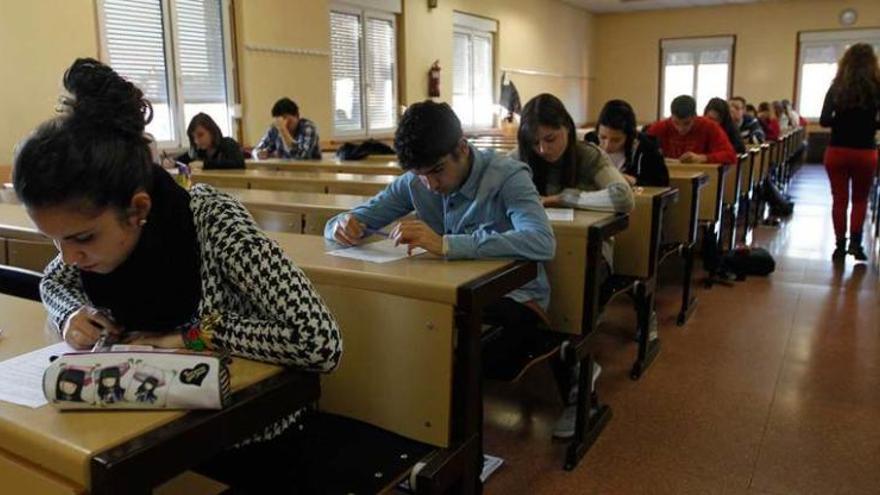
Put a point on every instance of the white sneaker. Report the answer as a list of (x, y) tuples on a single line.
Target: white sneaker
[(564, 427)]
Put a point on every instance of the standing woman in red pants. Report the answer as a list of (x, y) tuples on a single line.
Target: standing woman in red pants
[(851, 111)]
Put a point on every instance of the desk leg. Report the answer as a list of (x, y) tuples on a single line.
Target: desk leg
[(592, 416), (468, 401), (730, 210), (687, 300), (648, 347), (589, 423)]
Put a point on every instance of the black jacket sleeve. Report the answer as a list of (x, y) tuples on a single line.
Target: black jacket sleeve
[(228, 156), (827, 117), (648, 165)]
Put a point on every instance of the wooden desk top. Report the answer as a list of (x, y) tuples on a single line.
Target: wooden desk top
[(301, 177), (16, 224), (371, 167), (583, 220), (65, 442), (688, 175), (295, 202), (424, 277)]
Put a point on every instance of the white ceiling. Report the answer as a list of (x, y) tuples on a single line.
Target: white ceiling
[(633, 5)]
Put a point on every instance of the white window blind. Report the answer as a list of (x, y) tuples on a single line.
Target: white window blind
[(134, 38), (363, 47), (473, 71), (699, 67), (345, 49), (817, 63), (175, 51)]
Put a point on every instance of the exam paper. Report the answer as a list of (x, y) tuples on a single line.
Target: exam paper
[(376, 252), (21, 377), (560, 214)]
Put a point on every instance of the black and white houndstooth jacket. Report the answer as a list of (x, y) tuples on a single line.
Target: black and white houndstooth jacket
[(269, 311)]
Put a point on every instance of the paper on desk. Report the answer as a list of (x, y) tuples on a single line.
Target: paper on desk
[(376, 252), (21, 377), (560, 214)]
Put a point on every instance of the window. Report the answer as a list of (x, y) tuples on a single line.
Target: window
[(817, 63), (176, 52), (473, 71), (363, 65), (699, 67)]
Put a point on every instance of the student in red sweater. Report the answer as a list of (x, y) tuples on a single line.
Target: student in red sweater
[(692, 139)]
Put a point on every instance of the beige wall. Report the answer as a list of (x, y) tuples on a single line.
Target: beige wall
[(546, 36), (38, 40), (267, 76), (627, 46)]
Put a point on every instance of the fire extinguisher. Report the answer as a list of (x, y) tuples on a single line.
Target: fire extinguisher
[(434, 80)]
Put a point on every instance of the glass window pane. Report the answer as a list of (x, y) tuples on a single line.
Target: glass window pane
[(483, 82), (462, 101), (712, 81), (815, 80), (677, 80), (202, 60), (345, 68), (135, 39), (380, 89)]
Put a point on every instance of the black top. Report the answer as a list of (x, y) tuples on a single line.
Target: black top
[(850, 127), (227, 155), (645, 162), (158, 287), (734, 137)]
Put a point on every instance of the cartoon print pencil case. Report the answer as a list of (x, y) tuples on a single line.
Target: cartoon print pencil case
[(137, 380)]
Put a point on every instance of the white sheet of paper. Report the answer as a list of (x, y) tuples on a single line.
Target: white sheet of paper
[(560, 214), (21, 377), (376, 252)]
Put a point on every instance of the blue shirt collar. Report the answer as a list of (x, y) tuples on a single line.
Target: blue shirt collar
[(470, 186)]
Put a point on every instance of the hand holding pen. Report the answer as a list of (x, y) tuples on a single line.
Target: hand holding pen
[(86, 326)]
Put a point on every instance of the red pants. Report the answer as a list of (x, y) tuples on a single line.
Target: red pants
[(844, 165)]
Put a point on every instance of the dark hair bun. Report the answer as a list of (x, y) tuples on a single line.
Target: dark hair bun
[(104, 101)]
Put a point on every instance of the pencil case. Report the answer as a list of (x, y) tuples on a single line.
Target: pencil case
[(137, 380)]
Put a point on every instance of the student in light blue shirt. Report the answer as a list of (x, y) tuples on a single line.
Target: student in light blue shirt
[(469, 204)]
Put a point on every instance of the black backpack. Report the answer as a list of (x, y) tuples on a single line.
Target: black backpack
[(352, 151), (746, 261)]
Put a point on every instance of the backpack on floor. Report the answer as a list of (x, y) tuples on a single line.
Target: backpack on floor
[(746, 261)]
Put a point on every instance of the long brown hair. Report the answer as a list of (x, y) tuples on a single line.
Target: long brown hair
[(204, 121), (547, 110), (857, 82)]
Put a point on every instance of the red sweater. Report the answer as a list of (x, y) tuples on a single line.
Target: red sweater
[(705, 138)]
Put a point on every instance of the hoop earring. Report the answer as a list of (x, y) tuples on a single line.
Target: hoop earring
[(142, 222)]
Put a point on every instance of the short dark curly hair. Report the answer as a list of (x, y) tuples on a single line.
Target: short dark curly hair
[(427, 132)]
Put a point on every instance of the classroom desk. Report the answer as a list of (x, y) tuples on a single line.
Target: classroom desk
[(295, 181), (572, 274), (636, 256), (711, 210), (301, 213), (680, 230), (378, 306), (47, 451), (366, 167), (412, 345), (20, 244), (574, 308)]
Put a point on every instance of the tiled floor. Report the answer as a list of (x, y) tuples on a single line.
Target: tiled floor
[(772, 388)]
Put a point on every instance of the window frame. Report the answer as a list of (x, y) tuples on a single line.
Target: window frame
[(695, 45), (174, 81), (478, 28), (364, 14), (827, 37)]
